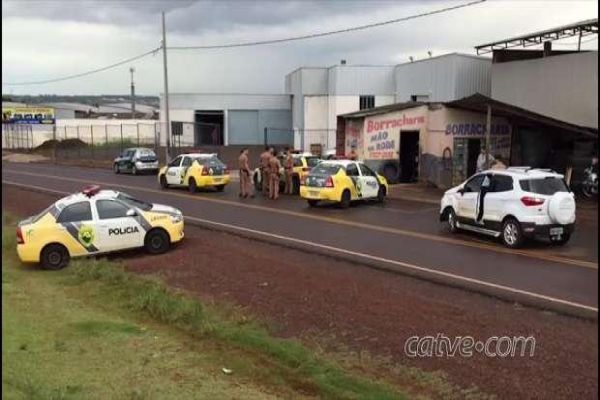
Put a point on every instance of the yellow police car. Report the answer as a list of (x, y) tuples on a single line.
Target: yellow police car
[(194, 171), (96, 221), (342, 181), (302, 164)]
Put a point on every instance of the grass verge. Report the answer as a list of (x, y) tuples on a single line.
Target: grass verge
[(94, 330)]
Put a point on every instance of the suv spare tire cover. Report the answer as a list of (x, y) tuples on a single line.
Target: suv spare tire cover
[(561, 208)]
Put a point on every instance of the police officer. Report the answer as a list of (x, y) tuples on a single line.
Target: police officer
[(274, 166), (245, 190), (264, 169), (288, 169)]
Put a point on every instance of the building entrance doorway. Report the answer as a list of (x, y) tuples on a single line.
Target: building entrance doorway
[(208, 129), (409, 156)]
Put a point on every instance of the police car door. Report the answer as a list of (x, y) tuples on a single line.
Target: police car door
[(370, 184), (116, 230), (174, 171)]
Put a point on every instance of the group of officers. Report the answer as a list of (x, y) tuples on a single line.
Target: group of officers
[(270, 173)]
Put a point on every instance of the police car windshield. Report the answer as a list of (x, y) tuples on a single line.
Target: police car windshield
[(146, 153), (325, 169), (211, 162), (134, 202), (312, 161)]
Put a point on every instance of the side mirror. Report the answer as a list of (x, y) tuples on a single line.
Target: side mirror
[(461, 191), (131, 213)]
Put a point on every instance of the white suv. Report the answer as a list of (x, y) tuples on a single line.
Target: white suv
[(520, 203)]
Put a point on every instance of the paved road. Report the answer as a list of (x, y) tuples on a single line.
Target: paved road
[(399, 231)]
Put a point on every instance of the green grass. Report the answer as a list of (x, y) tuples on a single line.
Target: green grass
[(94, 330)]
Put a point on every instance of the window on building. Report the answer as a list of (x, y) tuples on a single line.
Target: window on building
[(366, 102)]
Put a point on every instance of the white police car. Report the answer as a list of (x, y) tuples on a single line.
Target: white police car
[(96, 221), (520, 203)]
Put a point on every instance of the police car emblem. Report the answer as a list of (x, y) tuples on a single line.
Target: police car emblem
[(86, 235)]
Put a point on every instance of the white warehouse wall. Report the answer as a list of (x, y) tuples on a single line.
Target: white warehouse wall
[(564, 87)]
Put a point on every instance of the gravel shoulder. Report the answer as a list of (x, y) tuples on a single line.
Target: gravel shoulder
[(340, 304)]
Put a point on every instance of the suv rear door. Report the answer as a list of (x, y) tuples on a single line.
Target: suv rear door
[(495, 202), (467, 201)]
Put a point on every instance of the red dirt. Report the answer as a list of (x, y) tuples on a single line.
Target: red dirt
[(365, 309)]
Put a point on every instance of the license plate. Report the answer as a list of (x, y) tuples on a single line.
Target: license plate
[(556, 231), (218, 179), (313, 193)]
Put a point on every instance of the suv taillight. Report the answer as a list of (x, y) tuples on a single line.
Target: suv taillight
[(329, 182), (532, 201), (20, 236)]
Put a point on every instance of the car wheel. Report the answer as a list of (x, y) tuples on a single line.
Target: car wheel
[(220, 188), (312, 203), (381, 194), (54, 257), (512, 235), (157, 241), (134, 170), (564, 239), (345, 200), (451, 221), (116, 168), (193, 188), (163, 182)]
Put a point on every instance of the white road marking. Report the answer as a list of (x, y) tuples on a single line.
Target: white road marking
[(364, 256)]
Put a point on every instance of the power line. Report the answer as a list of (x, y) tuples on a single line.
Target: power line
[(321, 34), (94, 71)]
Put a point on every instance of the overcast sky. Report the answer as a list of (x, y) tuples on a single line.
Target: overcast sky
[(49, 39)]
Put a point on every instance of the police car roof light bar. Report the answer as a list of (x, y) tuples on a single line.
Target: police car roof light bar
[(91, 190)]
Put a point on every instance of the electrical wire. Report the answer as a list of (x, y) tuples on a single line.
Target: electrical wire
[(94, 71), (322, 34)]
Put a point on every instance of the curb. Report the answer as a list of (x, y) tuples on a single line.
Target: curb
[(520, 297)]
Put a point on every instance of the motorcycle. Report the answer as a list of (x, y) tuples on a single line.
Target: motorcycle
[(589, 186)]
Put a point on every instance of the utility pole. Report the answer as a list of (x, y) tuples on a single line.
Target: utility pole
[(488, 133), (132, 70), (166, 94)]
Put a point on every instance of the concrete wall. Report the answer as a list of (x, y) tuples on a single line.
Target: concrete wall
[(564, 87)]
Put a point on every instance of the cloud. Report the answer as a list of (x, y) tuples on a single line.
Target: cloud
[(79, 37)]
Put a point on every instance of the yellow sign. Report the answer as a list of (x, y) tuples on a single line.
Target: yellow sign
[(27, 115)]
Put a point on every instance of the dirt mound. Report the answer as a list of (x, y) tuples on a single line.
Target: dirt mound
[(62, 144)]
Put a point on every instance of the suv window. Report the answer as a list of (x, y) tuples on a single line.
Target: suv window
[(175, 162), (547, 186), (76, 212), (111, 209), (474, 184), (325, 169), (366, 171), (502, 183)]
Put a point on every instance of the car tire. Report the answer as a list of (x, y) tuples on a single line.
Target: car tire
[(345, 200), (134, 170), (220, 188), (381, 193), (451, 221), (157, 241), (54, 257), (564, 239), (312, 203), (116, 168), (163, 182), (512, 234), (192, 186)]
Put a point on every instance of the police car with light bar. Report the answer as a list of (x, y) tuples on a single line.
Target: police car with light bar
[(93, 222), (520, 203)]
